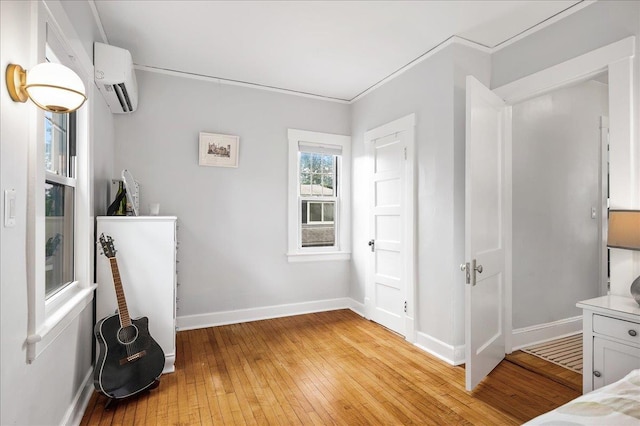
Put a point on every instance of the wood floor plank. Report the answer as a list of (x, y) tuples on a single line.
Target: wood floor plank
[(322, 369)]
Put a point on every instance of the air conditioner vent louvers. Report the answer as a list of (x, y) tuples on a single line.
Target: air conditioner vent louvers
[(123, 97)]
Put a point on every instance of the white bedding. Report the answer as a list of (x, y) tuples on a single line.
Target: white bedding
[(615, 404)]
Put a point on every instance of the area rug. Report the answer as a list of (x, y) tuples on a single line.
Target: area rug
[(565, 352)]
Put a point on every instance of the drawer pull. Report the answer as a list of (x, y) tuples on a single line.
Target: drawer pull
[(633, 333), (597, 373)]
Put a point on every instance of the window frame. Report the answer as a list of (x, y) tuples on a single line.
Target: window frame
[(48, 317), (67, 179), (342, 248)]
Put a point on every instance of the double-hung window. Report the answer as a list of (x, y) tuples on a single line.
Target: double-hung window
[(59, 220), (59, 202), (318, 196)]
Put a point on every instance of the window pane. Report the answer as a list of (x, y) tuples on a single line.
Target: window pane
[(305, 162), (328, 163), (56, 144), (327, 183), (327, 211), (316, 184), (319, 230), (305, 184), (316, 163), (59, 208), (315, 212)]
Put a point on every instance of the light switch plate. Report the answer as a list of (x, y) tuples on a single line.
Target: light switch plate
[(9, 208)]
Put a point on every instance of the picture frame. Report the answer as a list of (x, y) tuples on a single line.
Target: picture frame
[(218, 150)]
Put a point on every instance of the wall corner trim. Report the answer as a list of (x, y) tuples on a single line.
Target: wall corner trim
[(453, 355)]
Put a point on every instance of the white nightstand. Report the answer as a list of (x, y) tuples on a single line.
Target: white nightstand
[(611, 339)]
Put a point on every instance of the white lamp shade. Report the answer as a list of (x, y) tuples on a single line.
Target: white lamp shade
[(54, 87)]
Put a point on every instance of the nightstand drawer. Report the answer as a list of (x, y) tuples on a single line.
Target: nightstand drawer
[(617, 328)]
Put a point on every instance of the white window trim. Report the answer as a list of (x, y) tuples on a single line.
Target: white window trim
[(342, 218), (48, 318)]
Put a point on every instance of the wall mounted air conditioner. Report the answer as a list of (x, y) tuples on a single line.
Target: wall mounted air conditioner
[(115, 77)]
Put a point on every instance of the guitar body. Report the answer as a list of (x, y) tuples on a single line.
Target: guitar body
[(130, 361)]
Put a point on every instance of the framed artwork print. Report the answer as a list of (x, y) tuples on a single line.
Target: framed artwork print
[(218, 150)]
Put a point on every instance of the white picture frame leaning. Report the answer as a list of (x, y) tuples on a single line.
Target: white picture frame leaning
[(218, 150)]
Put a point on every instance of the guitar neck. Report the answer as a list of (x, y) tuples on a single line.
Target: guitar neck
[(123, 312)]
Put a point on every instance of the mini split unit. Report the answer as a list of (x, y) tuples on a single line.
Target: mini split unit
[(115, 77)]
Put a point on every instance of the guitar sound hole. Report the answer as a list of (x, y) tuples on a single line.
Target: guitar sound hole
[(127, 335)]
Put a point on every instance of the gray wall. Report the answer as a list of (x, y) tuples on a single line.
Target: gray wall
[(232, 221), (597, 25), (556, 172), (434, 91)]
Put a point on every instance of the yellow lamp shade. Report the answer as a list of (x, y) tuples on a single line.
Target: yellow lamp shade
[(54, 87), (624, 229)]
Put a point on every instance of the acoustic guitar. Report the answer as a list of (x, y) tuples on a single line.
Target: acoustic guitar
[(130, 361)]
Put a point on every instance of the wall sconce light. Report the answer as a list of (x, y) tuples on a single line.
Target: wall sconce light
[(52, 87), (624, 233)]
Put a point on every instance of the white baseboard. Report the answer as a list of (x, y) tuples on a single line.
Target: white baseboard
[(76, 410), (450, 354), (528, 336), (357, 307), (191, 322)]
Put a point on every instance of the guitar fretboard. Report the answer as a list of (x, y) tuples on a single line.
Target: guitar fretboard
[(125, 320)]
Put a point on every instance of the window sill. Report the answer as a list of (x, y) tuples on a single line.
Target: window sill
[(318, 256), (57, 321)]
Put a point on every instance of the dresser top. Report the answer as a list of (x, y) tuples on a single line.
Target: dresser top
[(618, 304)]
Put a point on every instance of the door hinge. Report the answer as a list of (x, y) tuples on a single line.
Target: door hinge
[(405, 152), (405, 306)]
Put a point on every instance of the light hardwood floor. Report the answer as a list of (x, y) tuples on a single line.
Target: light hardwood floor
[(324, 368)]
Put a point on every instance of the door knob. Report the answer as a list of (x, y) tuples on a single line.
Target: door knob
[(372, 244), (479, 269)]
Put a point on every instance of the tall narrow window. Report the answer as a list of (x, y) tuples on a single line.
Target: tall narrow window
[(318, 197), (59, 193), (59, 247), (318, 176)]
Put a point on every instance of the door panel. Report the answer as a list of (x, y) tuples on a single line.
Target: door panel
[(484, 234), (387, 274)]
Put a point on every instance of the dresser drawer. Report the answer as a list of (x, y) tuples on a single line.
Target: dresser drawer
[(617, 328)]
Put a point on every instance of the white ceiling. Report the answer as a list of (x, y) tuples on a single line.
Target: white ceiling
[(333, 49)]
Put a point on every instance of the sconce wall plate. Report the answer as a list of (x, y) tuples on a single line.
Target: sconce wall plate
[(16, 80)]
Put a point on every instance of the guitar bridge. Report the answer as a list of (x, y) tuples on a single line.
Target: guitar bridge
[(133, 357)]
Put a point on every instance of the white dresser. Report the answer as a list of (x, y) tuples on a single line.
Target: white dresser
[(611, 333), (146, 256)]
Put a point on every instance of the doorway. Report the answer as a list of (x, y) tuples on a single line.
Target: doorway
[(617, 60), (557, 202)]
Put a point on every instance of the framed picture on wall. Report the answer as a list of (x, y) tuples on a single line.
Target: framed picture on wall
[(218, 150)]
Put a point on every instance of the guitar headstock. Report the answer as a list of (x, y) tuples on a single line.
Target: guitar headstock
[(107, 246)]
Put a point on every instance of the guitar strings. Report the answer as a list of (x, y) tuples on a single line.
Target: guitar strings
[(127, 335)]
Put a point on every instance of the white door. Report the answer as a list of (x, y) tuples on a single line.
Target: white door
[(486, 220), (387, 277)]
